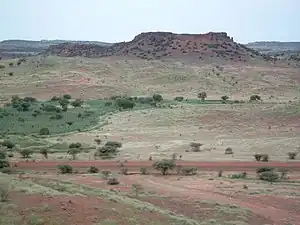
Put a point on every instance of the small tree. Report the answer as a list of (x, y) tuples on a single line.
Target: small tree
[(228, 151), (44, 152), (157, 98), (255, 98), (164, 165), (26, 153), (292, 155), (202, 95), (224, 98), (136, 188), (11, 64)]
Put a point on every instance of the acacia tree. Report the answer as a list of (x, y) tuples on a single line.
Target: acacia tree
[(164, 165), (202, 95)]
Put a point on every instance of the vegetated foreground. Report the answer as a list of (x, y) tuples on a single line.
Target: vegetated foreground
[(185, 195)]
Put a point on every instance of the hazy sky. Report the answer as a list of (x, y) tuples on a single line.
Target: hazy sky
[(121, 20)]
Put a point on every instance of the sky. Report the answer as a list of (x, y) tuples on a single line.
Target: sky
[(121, 20)]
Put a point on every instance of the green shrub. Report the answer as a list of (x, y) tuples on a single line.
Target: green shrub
[(65, 168), (188, 171), (30, 99), (93, 169), (77, 103), (2, 66), (255, 98), (228, 151), (164, 165), (157, 98), (75, 145), (44, 131), (125, 103), (292, 155), (8, 144), (115, 144), (239, 176), (98, 141), (264, 169), (11, 73), (67, 96), (55, 99), (270, 176), (3, 194), (112, 181), (49, 108), (6, 170), (26, 153), (11, 64), (202, 95), (224, 98), (178, 98), (143, 171)]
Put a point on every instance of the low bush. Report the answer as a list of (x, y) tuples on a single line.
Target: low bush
[(164, 165), (178, 98), (157, 98), (292, 155), (106, 174), (44, 131), (143, 171), (125, 103), (239, 175), (65, 168), (8, 144), (93, 169), (264, 169), (228, 151), (188, 171), (113, 181), (75, 145), (269, 176)]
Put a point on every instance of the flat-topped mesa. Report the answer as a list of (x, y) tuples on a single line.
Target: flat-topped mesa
[(157, 45)]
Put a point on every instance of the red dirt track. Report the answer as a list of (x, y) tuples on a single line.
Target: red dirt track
[(233, 166)]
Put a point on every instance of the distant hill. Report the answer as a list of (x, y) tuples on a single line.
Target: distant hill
[(156, 45), (274, 47), (281, 50), (16, 48)]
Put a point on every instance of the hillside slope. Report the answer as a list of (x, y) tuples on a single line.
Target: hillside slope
[(11, 48), (156, 45)]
